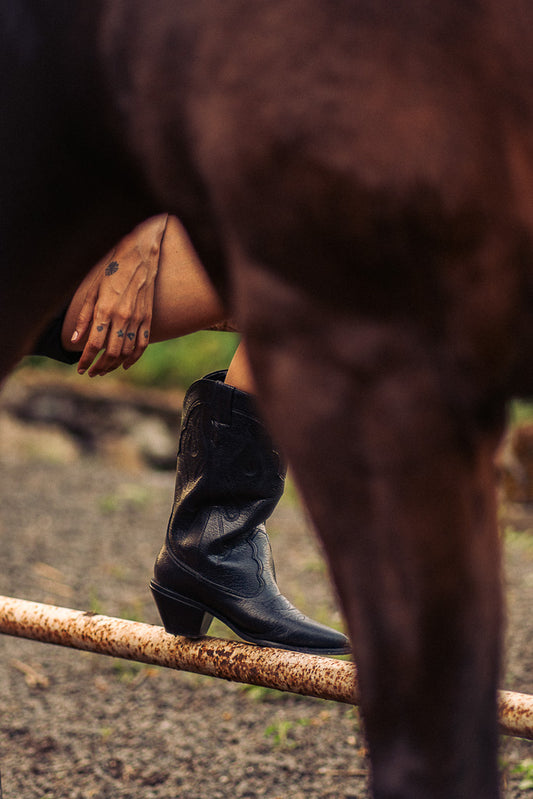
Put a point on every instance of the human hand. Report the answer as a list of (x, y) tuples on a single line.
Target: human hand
[(116, 313)]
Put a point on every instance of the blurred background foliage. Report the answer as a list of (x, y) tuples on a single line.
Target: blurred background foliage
[(169, 364), (178, 363)]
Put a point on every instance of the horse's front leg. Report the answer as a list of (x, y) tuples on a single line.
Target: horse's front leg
[(401, 491)]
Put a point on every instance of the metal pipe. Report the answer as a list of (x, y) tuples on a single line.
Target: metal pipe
[(284, 670), (515, 713), (310, 675)]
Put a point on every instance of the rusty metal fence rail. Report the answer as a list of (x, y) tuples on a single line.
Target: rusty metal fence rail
[(310, 675)]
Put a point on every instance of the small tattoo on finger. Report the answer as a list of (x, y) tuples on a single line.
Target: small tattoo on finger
[(120, 334), (100, 328), (131, 336), (111, 268), (146, 334)]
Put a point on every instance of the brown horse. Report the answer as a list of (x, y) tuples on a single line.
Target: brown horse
[(358, 178)]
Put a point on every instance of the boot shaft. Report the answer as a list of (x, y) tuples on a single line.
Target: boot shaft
[(229, 475)]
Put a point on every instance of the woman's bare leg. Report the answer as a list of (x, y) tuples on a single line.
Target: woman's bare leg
[(239, 373)]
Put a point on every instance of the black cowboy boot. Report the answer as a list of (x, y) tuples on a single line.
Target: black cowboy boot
[(216, 560)]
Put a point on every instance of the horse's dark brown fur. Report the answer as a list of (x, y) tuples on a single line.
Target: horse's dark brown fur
[(358, 178)]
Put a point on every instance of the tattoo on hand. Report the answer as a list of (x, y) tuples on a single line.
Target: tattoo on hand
[(100, 328), (146, 333), (120, 334), (111, 268), (131, 336)]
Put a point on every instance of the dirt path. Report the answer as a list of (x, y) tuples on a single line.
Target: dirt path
[(83, 532)]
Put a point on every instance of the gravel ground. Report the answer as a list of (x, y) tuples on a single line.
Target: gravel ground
[(83, 532)]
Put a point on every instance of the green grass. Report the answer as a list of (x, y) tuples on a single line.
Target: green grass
[(261, 693), (127, 671), (168, 364), (520, 539), (525, 770), (182, 361), (282, 732), (128, 496), (520, 412)]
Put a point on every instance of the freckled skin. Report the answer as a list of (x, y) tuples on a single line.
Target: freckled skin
[(367, 213)]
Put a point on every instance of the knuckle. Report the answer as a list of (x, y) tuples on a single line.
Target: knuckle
[(122, 317), (104, 309)]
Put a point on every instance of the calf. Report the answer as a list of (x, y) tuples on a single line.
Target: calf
[(357, 178)]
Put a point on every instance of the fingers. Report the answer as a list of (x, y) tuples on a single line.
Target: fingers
[(119, 347), (141, 342), (120, 326), (116, 314), (85, 316), (123, 340), (95, 342)]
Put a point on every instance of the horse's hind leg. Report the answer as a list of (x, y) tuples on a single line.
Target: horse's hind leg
[(402, 497)]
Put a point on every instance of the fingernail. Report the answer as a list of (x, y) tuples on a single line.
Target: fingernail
[(75, 336), (81, 371)]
